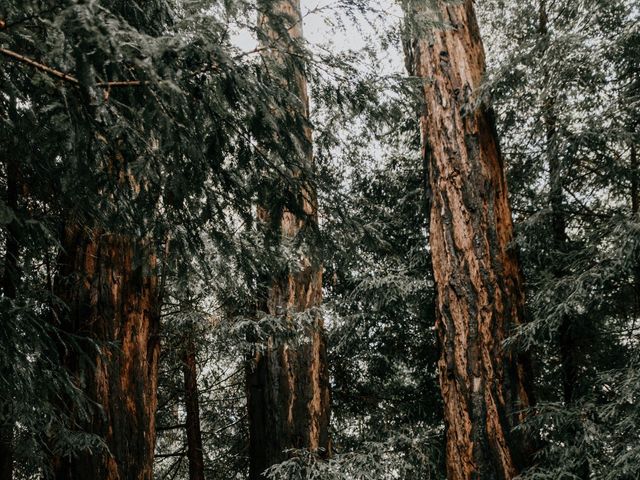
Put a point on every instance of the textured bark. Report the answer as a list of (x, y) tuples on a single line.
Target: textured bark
[(109, 285), (479, 287), (9, 282), (194, 435), (288, 384)]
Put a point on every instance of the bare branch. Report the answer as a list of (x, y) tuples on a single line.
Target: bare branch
[(40, 66), (65, 76)]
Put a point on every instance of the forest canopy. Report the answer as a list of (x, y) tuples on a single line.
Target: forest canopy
[(339, 239)]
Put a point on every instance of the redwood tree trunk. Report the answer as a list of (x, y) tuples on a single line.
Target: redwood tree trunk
[(194, 435), (480, 295), (288, 384), (109, 285)]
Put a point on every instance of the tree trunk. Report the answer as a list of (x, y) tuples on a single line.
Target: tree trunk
[(635, 208), (9, 282), (480, 295), (288, 384), (109, 285), (566, 331), (194, 435)]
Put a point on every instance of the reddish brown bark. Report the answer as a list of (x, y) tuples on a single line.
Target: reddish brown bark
[(479, 286), (287, 384), (109, 285), (194, 435)]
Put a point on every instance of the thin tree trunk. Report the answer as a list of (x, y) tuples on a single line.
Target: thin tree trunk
[(109, 285), (480, 295), (635, 182), (288, 384), (9, 282), (566, 331), (635, 208), (194, 435)]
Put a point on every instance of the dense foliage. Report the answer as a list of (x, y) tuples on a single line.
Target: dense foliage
[(166, 95)]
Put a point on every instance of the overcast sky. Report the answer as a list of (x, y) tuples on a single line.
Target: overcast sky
[(324, 24)]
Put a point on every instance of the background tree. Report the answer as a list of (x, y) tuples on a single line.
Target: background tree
[(581, 317), (131, 105), (182, 99)]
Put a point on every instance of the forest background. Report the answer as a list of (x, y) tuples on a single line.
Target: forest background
[(166, 143)]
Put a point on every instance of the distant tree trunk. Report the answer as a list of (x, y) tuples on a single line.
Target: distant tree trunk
[(287, 384), (9, 282), (635, 208), (288, 387), (480, 295), (194, 435), (550, 119), (109, 285), (566, 331), (635, 172)]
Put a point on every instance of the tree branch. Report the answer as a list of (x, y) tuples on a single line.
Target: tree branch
[(180, 453), (65, 76), (40, 66)]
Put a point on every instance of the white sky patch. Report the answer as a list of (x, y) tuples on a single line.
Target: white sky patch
[(327, 26)]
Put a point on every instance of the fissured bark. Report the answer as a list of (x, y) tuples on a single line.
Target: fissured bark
[(288, 383), (109, 285), (479, 286)]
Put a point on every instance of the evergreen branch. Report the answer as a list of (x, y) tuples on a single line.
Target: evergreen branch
[(122, 83), (39, 66), (65, 76), (180, 453), (6, 25)]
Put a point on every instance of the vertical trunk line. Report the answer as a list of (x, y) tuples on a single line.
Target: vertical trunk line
[(635, 208), (194, 434), (9, 289), (566, 334), (287, 382)]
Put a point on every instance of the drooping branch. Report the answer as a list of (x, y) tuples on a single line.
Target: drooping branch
[(65, 76)]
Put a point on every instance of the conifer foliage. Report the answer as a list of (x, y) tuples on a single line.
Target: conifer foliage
[(229, 250)]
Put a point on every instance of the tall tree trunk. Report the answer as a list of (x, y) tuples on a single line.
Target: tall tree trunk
[(109, 285), (480, 295), (567, 334), (194, 435), (287, 384), (550, 119), (566, 331), (635, 173), (9, 282), (635, 208)]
